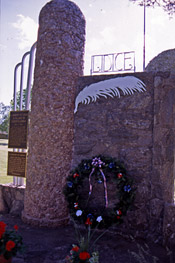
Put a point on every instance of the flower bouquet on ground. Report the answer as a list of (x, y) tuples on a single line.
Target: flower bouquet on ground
[(10, 242), (85, 251), (77, 255)]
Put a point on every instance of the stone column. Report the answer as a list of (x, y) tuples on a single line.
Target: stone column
[(59, 63)]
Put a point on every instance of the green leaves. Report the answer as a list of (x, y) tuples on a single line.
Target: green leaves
[(105, 170)]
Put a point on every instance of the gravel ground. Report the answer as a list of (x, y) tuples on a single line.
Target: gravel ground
[(45, 245)]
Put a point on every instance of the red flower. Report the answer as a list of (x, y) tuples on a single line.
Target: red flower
[(119, 212), (16, 227), (75, 248), (2, 228), (88, 221), (84, 255), (119, 175), (10, 245), (75, 175)]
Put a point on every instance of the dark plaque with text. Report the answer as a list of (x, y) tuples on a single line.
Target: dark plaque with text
[(18, 129), (17, 164)]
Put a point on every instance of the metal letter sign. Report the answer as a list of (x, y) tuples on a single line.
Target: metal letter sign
[(115, 62)]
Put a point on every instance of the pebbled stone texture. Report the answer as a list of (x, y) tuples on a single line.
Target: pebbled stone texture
[(59, 62), (138, 130), (162, 62)]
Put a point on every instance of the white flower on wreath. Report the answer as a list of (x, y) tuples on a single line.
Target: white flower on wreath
[(99, 219), (79, 213)]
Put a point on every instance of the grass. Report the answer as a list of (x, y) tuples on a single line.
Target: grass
[(4, 179)]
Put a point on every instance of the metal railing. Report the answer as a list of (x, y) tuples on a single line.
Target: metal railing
[(18, 180)]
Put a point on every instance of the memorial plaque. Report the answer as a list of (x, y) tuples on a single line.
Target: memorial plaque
[(17, 163), (18, 129)]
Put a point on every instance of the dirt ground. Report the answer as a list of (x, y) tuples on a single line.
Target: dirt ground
[(45, 245)]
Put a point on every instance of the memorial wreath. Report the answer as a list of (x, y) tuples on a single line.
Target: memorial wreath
[(102, 169)]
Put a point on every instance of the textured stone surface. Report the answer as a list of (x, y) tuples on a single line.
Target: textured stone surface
[(169, 225), (165, 61), (138, 130), (164, 142), (59, 62), (121, 128), (12, 199)]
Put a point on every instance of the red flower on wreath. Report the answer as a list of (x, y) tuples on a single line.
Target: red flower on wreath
[(84, 255), (2, 228), (119, 175), (75, 175), (10, 245), (75, 248), (119, 213)]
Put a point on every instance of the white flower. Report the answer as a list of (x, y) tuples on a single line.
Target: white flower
[(99, 219), (79, 213)]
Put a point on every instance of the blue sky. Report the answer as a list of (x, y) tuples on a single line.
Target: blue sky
[(112, 26)]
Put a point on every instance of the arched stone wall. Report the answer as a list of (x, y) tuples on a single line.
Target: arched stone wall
[(165, 61)]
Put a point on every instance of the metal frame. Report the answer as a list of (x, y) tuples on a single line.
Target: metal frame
[(113, 57), (18, 180)]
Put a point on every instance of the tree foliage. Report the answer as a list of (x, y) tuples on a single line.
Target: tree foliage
[(147, 2), (4, 117), (167, 5), (18, 100), (5, 110)]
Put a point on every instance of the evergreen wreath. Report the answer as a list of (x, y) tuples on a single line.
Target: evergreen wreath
[(101, 168)]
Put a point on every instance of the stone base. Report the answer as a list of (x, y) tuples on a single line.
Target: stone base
[(11, 199), (169, 225), (44, 222)]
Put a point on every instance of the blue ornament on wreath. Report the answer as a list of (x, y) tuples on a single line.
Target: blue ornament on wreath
[(111, 165), (127, 188), (100, 181), (69, 184), (86, 166)]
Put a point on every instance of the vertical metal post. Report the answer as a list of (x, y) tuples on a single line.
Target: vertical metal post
[(21, 83), (29, 77), (92, 65), (14, 106), (20, 181), (144, 30), (15, 84)]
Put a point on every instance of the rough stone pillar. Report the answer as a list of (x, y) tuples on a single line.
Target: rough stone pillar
[(59, 62)]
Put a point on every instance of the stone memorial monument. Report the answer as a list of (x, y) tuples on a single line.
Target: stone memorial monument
[(59, 63)]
